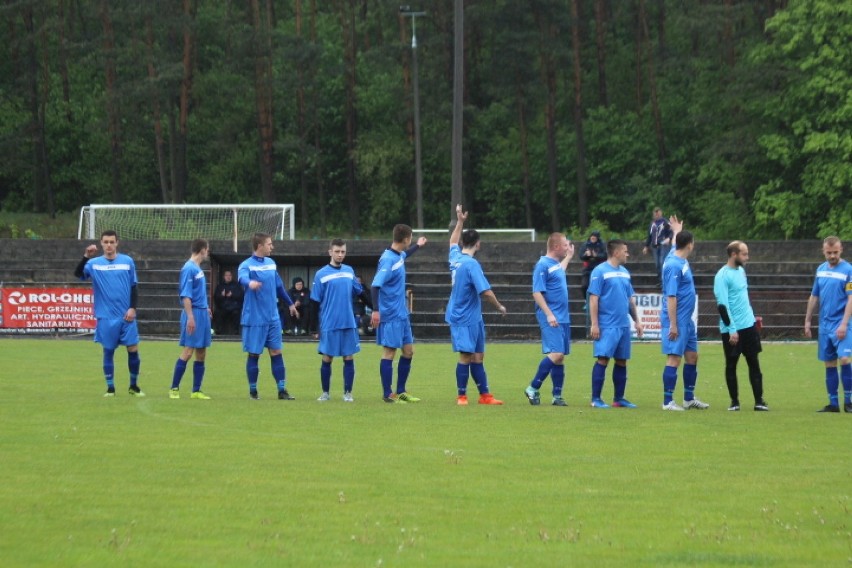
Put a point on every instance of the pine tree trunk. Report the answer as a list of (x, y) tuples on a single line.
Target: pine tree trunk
[(112, 107), (582, 189)]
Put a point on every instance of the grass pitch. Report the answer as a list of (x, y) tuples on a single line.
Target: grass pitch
[(88, 481)]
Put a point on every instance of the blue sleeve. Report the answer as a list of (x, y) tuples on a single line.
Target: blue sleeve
[(282, 293), (539, 282), (243, 275), (479, 280), (185, 289), (316, 290)]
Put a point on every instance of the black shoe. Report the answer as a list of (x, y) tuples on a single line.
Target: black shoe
[(284, 395), (761, 406), (847, 407), (253, 395), (830, 408)]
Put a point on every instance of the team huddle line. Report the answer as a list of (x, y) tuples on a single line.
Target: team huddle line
[(610, 300)]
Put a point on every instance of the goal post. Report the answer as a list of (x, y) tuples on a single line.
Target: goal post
[(184, 222)]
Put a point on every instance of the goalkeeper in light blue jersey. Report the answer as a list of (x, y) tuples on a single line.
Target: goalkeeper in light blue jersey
[(738, 326), (114, 283), (261, 324), (195, 332), (832, 290)]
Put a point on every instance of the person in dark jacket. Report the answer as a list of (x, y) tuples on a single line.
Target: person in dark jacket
[(301, 296), (228, 305), (592, 254)]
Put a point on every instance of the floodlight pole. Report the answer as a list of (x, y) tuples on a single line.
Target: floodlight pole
[(418, 163)]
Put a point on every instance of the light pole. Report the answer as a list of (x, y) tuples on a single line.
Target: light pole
[(418, 166)]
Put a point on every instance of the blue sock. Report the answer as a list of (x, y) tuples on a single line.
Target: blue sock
[(180, 369), (544, 369), (348, 375), (197, 375), (477, 371), (557, 374), (386, 373), (133, 363), (690, 377), (279, 373), (619, 380), (403, 369), (832, 381), (669, 383), (109, 368), (252, 371), (325, 376), (846, 378), (462, 375), (598, 378)]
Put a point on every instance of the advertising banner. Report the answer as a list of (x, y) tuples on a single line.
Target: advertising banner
[(44, 310), (648, 308)]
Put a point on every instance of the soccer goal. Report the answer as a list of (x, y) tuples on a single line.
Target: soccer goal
[(185, 222)]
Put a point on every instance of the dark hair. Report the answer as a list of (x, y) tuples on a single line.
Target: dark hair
[(401, 232), (336, 243), (109, 233), (683, 239), (296, 280), (469, 238), (613, 246), (198, 245), (258, 239)]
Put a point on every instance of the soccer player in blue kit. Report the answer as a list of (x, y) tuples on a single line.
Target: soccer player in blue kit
[(114, 283), (464, 314), (334, 288), (550, 292), (195, 336), (678, 332), (611, 307), (261, 324), (390, 316), (832, 290)]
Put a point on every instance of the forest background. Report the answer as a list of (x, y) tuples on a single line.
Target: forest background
[(735, 114)]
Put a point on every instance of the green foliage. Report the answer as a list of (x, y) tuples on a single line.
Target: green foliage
[(755, 114)]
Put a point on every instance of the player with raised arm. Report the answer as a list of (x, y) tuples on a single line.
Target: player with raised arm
[(261, 324), (195, 335), (390, 316), (611, 307), (832, 290), (114, 284), (550, 292), (334, 288), (464, 314), (679, 335)]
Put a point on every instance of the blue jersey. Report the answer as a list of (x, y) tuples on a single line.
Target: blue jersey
[(614, 289), (260, 307), (193, 285), (832, 286), (455, 253), (465, 306), (390, 277), (334, 289), (730, 286), (111, 283), (549, 278), (677, 282)]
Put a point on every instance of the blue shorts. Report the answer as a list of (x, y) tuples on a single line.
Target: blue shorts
[(687, 339), (114, 332), (556, 339), (339, 342), (394, 334), (614, 343), (830, 348), (468, 338), (201, 338), (256, 337)]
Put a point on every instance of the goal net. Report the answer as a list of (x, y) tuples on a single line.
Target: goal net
[(185, 222)]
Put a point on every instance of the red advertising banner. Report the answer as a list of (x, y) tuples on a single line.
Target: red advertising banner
[(34, 310)]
